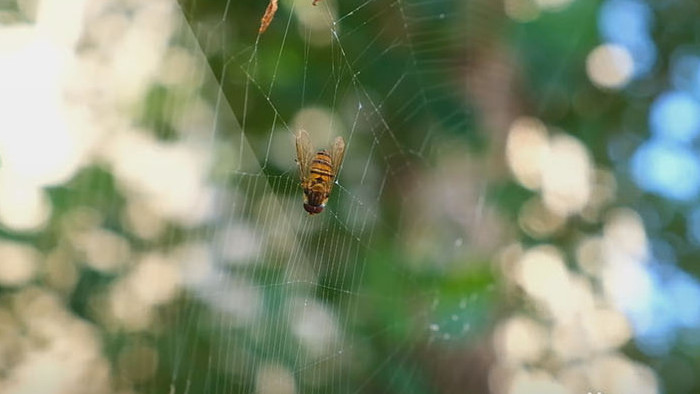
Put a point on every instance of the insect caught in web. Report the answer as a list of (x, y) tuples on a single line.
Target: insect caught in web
[(267, 16), (270, 14), (317, 171)]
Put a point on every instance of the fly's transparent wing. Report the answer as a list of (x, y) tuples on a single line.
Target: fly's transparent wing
[(305, 151), (337, 154)]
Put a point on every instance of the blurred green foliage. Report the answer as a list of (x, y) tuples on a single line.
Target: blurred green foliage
[(415, 67)]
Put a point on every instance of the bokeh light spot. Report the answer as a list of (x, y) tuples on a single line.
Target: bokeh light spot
[(553, 5), (526, 149), (18, 263), (667, 169), (627, 23), (624, 21), (521, 10), (609, 66), (35, 206), (274, 379), (566, 176), (675, 116)]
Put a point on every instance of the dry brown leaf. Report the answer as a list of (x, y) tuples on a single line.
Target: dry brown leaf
[(268, 16)]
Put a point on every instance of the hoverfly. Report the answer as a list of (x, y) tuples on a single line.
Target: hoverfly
[(317, 171)]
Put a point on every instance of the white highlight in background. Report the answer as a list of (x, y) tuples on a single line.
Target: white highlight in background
[(526, 149), (169, 177), (19, 263), (541, 272), (610, 66), (566, 175), (553, 5), (521, 10), (23, 207), (38, 146), (314, 326)]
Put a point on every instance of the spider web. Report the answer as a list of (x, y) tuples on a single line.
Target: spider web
[(153, 236), (351, 300)]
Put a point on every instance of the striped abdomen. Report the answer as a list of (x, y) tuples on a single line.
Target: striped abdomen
[(321, 170)]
